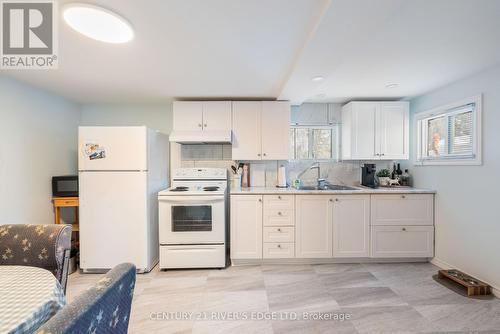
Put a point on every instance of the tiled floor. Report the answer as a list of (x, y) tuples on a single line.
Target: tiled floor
[(380, 298)]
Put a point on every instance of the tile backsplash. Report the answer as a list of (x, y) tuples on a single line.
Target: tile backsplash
[(219, 155)]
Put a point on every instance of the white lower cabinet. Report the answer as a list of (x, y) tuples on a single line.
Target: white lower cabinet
[(313, 225), (332, 226), (279, 234), (246, 227), (351, 226), (402, 241), (273, 250), (402, 209)]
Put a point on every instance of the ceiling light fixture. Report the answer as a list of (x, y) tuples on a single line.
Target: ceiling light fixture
[(392, 85), (318, 78), (98, 23)]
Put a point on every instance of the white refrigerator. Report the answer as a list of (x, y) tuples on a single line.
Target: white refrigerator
[(120, 169)]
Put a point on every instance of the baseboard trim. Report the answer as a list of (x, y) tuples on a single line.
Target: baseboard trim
[(244, 262), (445, 265)]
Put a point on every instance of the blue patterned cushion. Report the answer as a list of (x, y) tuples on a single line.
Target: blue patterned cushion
[(40, 246), (103, 308)]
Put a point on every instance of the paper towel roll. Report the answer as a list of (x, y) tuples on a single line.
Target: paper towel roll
[(282, 177)]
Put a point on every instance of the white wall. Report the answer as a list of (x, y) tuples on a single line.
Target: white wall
[(156, 116), (38, 139), (468, 197)]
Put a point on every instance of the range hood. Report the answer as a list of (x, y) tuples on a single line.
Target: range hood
[(201, 137)]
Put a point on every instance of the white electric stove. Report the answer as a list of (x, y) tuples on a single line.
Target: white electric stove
[(192, 219)]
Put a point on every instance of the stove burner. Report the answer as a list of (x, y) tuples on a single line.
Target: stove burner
[(180, 189), (210, 188)]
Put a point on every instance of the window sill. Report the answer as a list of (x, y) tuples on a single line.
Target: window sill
[(451, 162)]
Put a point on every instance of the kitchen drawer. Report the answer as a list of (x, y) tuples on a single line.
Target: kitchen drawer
[(272, 202), (272, 250), (279, 234), (279, 217), (402, 209), (192, 256), (402, 241)]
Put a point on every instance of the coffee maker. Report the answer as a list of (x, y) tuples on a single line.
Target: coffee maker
[(368, 175)]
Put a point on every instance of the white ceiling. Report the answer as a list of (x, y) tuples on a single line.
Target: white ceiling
[(272, 49)]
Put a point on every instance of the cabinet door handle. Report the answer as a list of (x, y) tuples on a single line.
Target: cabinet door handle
[(279, 197), (382, 154), (403, 196), (336, 200), (279, 230), (205, 125), (264, 154), (260, 199), (279, 246), (279, 213), (258, 154), (403, 229), (199, 125), (331, 200)]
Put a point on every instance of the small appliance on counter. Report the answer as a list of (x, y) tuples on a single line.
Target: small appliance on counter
[(368, 175), (65, 186)]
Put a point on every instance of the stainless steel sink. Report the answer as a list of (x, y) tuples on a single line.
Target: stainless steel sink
[(328, 187)]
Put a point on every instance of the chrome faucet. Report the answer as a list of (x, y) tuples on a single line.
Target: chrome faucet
[(315, 165)]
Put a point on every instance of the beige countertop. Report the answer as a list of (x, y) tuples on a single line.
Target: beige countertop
[(359, 190)]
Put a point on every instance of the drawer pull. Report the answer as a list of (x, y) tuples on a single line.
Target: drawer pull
[(279, 230), (279, 197), (331, 200), (336, 200), (403, 229), (279, 213), (260, 199), (403, 196), (279, 246)]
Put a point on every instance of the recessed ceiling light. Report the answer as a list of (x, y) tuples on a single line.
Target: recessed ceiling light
[(318, 78), (391, 85), (98, 23)]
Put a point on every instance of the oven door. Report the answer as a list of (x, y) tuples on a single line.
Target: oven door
[(191, 220)]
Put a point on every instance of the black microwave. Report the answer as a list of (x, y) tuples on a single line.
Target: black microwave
[(65, 186)]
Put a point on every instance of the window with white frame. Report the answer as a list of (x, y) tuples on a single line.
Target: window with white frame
[(314, 142), (450, 134)]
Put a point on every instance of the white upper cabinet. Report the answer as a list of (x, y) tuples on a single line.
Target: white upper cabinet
[(217, 115), (275, 130), (394, 130), (202, 115), (375, 130), (188, 115), (261, 130), (246, 130)]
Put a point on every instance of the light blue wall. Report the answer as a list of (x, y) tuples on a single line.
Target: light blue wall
[(38, 139), (468, 197), (155, 116)]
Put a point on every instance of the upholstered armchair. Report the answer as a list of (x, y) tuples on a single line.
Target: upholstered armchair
[(43, 246), (103, 308)]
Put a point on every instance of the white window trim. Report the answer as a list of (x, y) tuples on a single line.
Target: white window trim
[(334, 140), (477, 140)]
